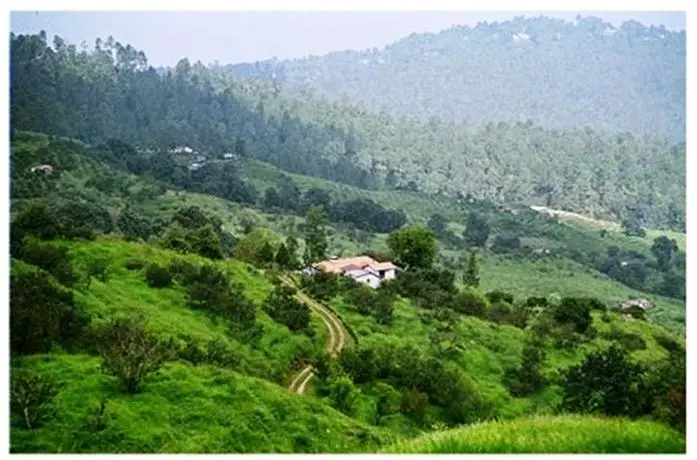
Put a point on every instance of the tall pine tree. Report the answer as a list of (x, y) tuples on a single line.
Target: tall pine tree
[(471, 276)]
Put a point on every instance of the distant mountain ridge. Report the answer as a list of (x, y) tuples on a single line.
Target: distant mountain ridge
[(556, 73)]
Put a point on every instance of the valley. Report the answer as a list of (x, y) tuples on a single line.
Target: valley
[(164, 224)]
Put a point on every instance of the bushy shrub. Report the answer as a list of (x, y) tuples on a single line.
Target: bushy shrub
[(322, 285), (31, 397), (209, 289), (606, 382), (158, 276), (533, 301), (130, 352), (499, 296), (469, 303), (282, 307), (220, 354), (668, 343), (54, 259), (575, 312), (134, 264), (527, 379), (42, 314), (183, 271), (628, 340), (190, 351)]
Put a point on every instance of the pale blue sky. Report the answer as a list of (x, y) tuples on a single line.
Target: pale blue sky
[(231, 37)]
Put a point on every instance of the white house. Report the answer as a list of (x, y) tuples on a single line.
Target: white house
[(363, 269), (43, 169), (182, 149)]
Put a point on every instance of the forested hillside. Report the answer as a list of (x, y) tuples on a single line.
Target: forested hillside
[(111, 93), (161, 219), (556, 73)]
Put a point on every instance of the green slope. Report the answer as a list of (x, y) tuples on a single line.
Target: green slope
[(550, 435), (185, 409)]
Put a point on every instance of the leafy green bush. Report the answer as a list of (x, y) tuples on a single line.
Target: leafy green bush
[(134, 264), (282, 307), (470, 303), (209, 289), (31, 397), (606, 382), (130, 352), (628, 340), (158, 276), (499, 296), (42, 314), (574, 311), (527, 379), (54, 259)]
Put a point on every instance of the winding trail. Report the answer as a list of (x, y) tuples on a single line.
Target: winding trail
[(337, 339)]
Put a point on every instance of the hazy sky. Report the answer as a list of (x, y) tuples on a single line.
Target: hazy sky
[(230, 37)]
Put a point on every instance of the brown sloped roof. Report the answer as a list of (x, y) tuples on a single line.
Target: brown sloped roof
[(353, 263)]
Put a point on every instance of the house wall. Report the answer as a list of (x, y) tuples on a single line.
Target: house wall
[(371, 280), (389, 274)]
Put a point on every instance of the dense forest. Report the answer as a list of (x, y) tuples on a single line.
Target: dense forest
[(558, 74), (110, 92)]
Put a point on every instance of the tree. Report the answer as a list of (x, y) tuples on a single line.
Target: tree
[(668, 383), (315, 235), (632, 227), (292, 245), (133, 225), (282, 257), (413, 247), (437, 223), (209, 289), (664, 249), (471, 276), (469, 303), (282, 307), (343, 394), (41, 314), (271, 198), (527, 379), (573, 311), (606, 382), (36, 220), (383, 307), (387, 401), (48, 256), (130, 353), (266, 254), (477, 230), (414, 404), (505, 243), (158, 276), (257, 246), (317, 197), (31, 397), (189, 105)]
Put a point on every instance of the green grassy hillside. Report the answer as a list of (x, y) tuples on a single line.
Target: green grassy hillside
[(549, 435), (485, 350), (430, 362), (184, 409)]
